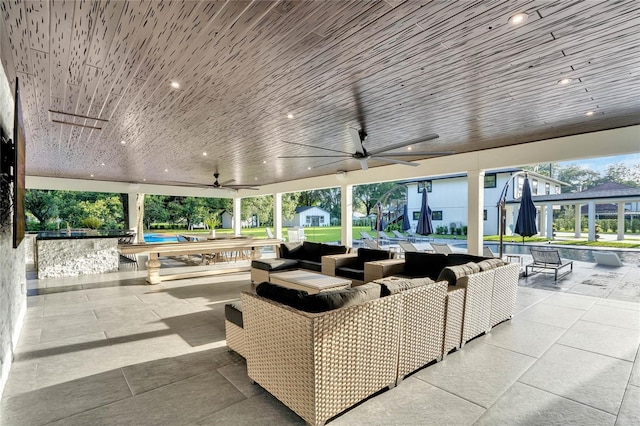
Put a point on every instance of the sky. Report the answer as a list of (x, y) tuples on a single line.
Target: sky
[(600, 164)]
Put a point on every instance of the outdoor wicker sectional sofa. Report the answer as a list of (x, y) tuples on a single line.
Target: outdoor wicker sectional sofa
[(322, 362), (306, 255)]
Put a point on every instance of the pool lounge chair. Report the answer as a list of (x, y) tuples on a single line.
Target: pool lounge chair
[(441, 248), (406, 246), (399, 235), (544, 259)]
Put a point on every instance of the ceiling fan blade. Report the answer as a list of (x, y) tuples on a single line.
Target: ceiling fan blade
[(393, 160), (328, 164), (363, 164), (252, 188), (319, 147), (190, 184), (417, 153), (314, 156), (357, 142), (226, 182), (403, 144)]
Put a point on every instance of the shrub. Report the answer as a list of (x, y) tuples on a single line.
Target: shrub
[(465, 229), (91, 222)]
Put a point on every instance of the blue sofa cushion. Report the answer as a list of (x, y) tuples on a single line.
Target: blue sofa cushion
[(424, 264), (310, 265), (320, 302), (348, 272), (328, 249), (275, 264), (233, 313)]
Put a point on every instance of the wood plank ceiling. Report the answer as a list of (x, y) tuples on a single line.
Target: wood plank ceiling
[(458, 69)]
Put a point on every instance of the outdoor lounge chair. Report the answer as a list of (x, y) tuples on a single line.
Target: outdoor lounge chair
[(269, 233), (548, 259), (441, 248), (487, 252), (384, 236), (366, 236), (406, 246), (399, 235)]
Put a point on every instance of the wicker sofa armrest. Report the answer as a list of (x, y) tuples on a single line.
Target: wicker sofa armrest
[(333, 261), (321, 364), (382, 268)]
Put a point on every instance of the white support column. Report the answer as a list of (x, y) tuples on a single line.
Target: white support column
[(346, 198), (578, 223), (133, 211), (475, 222), (620, 221), (277, 214), (237, 216), (591, 220), (542, 220), (139, 206), (550, 221)]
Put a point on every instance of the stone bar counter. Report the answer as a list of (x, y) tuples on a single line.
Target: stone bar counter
[(68, 254)]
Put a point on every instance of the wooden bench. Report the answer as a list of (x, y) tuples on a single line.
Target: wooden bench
[(548, 259)]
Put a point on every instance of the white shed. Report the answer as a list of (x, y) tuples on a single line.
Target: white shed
[(311, 216), (227, 219)]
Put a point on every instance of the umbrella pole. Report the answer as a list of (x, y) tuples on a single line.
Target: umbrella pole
[(503, 222)]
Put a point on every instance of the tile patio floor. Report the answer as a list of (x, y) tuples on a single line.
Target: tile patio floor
[(111, 350)]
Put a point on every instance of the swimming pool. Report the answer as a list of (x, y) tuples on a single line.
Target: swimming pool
[(573, 253), (160, 238)]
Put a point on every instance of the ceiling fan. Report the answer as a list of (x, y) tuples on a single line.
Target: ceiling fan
[(358, 137), (218, 185)]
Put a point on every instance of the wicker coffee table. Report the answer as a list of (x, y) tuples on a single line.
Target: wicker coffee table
[(312, 282)]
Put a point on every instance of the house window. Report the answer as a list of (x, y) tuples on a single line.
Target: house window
[(518, 190), (490, 180), (436, 215), (557, 189), (547, 188), (534, 187), (484, 214), (426, 184), (321, 219), (416, 215), (308, 219)]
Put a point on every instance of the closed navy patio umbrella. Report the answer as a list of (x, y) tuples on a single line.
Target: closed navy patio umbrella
[(406, 223), (425, 227), (526, 223)]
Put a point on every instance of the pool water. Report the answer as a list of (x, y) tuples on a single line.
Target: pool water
[(582, 254), (160, 238)]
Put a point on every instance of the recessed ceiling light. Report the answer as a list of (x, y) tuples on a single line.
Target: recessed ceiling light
[(565, 81), (144, 180), (289, 115), (204, 153), (102, 164), (264, 161), (409, 148), (588, 113), (91, 175), (123, 142), (175, 84), (309, 168), (255, 178), (166, 170), (518, 18)]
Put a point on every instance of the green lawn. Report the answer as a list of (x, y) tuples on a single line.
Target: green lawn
[(318, 234)]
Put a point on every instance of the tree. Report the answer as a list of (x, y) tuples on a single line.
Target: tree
[(370, 194), (42, 205), (289, 204), (260, 207), (331, 202), (623, 174), (155, 209), (578, 178)]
